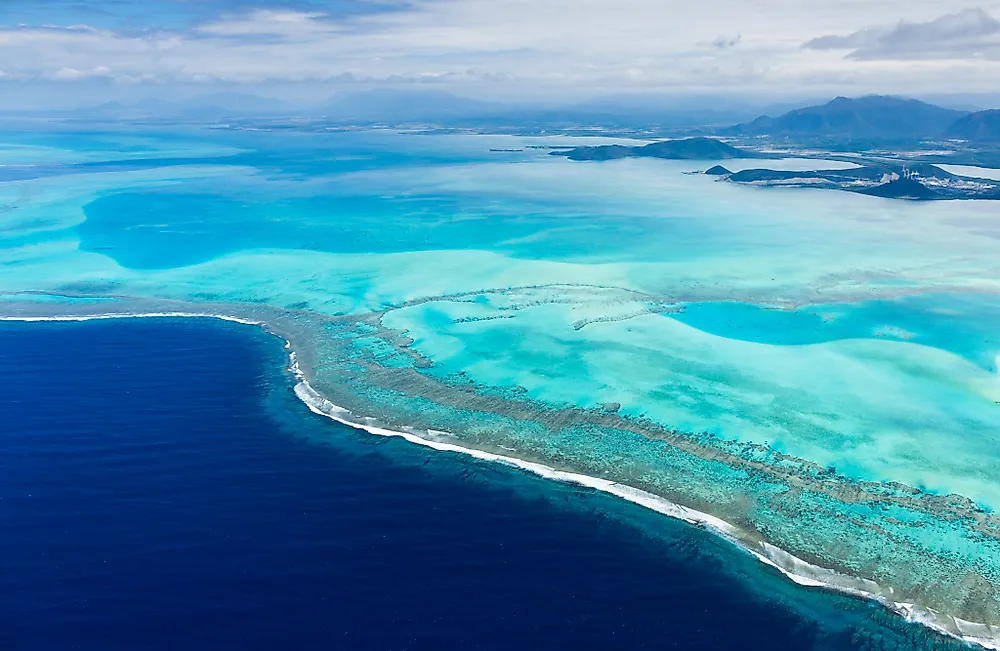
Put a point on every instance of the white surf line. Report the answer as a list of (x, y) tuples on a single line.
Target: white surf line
[(980, 634), (127, 315), (983, 635)]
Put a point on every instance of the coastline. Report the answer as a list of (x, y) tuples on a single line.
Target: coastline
[(792, 567)]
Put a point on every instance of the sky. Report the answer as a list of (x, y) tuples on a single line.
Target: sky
[(520, 50)]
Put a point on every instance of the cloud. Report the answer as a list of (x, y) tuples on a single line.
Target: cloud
[(972, 33), (545, 42), (523, 47), (723, 42), (288, 25), (72, 74)]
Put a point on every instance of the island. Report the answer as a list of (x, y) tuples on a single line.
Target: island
[(917, 182), (891, 179), (699, 148)]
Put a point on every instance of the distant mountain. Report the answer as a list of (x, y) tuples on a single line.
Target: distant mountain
[(616, 111), (236, 103), (874, 116), (121, 111), (685, 149), (983, 126), (387, 105), (663, 109), (216, 105)]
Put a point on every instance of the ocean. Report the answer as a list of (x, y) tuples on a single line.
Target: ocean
[(161, 487), (810, 373)]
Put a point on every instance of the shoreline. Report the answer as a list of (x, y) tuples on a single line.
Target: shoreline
[(793, 568)]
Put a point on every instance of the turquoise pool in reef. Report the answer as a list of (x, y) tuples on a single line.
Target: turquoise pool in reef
[(811, 374)]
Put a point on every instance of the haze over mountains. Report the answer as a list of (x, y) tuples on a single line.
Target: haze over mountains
[(874, 116), (871, 117), (387, 105), (877, 117), (983, 126), (205, 106)]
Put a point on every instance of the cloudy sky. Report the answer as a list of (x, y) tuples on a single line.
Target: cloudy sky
[(502, 48)]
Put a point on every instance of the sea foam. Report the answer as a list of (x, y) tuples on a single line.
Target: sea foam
[(796, 569)]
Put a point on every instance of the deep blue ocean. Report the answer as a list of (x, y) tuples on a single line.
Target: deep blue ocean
[(162, 488)]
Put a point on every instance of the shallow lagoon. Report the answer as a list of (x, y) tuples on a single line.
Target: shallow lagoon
[(778, 358)]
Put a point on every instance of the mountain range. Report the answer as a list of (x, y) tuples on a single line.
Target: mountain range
[(983, 126), (216, 105), (873, 117)]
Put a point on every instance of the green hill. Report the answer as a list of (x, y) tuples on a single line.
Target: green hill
[(983, 126), (684, 149)]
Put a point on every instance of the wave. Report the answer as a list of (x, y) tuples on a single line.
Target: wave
[(794, 568), (126, 315)]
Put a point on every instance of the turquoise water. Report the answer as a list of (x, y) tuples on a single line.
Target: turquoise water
[(819, 369), (962, 324)]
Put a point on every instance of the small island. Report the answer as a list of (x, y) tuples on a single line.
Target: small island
[(681, 149), (897, 179), (914, 182)]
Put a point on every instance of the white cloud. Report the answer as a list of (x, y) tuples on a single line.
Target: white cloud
[(270, 22), (968, 34), (536, 46), (73, 74)]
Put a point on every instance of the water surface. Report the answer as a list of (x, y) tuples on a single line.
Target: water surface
[(816, 368)]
